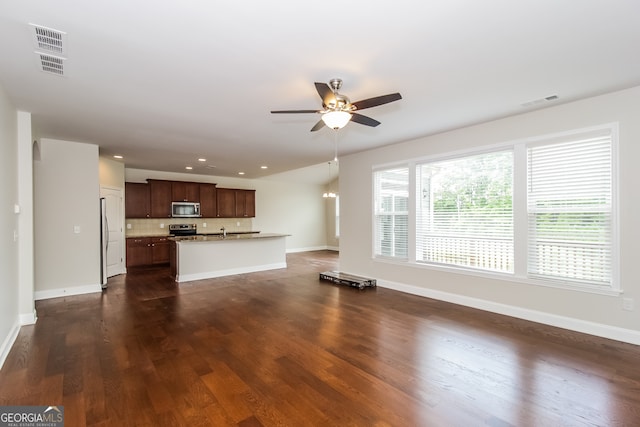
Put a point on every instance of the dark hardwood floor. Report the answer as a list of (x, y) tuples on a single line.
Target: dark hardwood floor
[(281, 348)]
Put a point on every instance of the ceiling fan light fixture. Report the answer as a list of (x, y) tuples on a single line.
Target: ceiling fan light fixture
[(336, 119)]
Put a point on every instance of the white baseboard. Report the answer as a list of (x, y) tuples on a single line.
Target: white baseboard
[(8, 342), (312, 248), (307, 249), (229, 272), (28, 318), (65, 292), (577, 325)]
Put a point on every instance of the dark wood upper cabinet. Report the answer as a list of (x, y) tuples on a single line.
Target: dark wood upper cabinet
[(160, 195), (226, 199), (245, 203), (153, 200), (137, 201), (208, 203), (185, 191)]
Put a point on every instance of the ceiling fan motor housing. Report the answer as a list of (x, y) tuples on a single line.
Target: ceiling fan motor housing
[(339, 103)]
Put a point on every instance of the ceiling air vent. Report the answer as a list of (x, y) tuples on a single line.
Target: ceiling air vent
[(50, 47), (49, 40), (51, 64), (540, 101)]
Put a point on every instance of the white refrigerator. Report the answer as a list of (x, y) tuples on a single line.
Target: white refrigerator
[(104, 242)]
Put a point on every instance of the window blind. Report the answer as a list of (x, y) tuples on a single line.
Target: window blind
[(569, 208), (464, 211), (391, 199)]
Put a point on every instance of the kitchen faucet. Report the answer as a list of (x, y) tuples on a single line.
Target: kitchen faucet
[(224, 232)]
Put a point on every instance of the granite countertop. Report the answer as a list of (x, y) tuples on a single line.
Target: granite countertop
[(230, 236), (134, 235)]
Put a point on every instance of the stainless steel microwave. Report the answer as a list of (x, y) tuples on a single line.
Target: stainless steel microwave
[(185, 209)]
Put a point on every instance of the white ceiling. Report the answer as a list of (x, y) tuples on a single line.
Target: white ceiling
[(166, 82)]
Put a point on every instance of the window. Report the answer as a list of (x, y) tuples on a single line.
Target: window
[(542, 210), (569, 210), (464, 211), (391, 212)]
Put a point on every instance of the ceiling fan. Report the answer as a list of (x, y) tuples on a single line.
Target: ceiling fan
[(338, 110)]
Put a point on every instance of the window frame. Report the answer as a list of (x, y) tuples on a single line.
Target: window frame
[(408, 214), (520, 219)]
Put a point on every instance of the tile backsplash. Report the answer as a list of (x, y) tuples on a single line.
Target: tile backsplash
[(136, 227)]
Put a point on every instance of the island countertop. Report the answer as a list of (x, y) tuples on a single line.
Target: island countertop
[(228, 237)]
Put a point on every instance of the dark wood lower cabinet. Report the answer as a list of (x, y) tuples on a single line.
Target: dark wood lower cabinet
[(144, 251), (159, 250)]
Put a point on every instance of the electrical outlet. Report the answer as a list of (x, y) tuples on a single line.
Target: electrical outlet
[(128, 226), (161, 225), (238, 223), (628, 304), (76, 229), (204, 225)]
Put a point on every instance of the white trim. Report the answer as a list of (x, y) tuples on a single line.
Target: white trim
[(229, 272), (577, 325), (307, 249), (8, 343), (28, 318), (66, 292)]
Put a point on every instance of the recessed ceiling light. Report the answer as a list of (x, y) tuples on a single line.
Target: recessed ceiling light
[(117, 156), (240, 173), (263, 167), (188, 168), (202, 159)]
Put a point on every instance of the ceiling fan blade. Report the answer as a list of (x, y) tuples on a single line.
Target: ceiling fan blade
[(364, 120), (325, 93), (318, 126), (294, 111), (378, 100)]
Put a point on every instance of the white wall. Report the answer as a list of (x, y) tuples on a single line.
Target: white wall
[(333, 242), (66, 196), (9, 286), (592, 313), (284, 207), (111, 173), (25, 220)]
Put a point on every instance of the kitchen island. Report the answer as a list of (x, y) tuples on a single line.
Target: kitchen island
[(204, 257)]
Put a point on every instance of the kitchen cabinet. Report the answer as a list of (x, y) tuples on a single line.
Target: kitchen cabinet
[(153, 200), (136, 200), (245, 203), (159, 250), (185, 191), (226, 200), (160, 198), (145, 251), (138, 251), (208, 203)]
